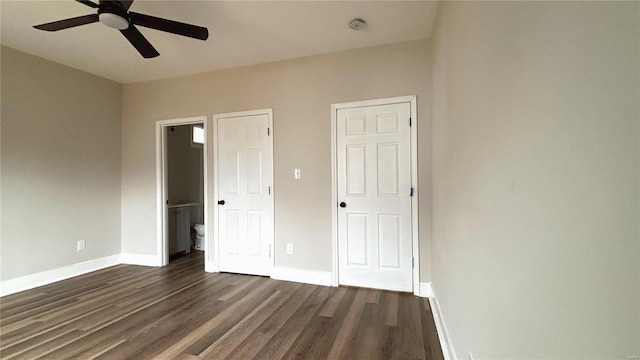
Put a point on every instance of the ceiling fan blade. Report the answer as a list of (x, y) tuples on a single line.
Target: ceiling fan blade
[(175, 27), (68, 23), (88, 3), (139, 42)]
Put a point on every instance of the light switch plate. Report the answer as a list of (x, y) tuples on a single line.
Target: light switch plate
[(80, 245), (296, 174)]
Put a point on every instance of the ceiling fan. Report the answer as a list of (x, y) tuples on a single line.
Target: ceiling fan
[(115, 14)]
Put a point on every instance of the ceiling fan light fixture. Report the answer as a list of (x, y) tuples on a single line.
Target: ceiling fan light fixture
[(113, 20)]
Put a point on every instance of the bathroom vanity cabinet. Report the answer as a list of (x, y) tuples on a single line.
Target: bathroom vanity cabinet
[(179, 217)]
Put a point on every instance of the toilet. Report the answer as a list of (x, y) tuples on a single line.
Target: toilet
[(198, 239)]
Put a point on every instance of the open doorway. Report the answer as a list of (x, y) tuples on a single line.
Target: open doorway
[(181, 173)]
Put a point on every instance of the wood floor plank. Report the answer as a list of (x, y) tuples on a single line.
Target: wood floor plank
[(96, 351), (347, 331), (39, 328), (137, 321), (238, 288), (34, 342), (11, 301), (92, 334), (409, 334), (181, 312), (147, 300), (59, 316), (391, 317), (373, 296), (318, 337), (231, 315), (373, 340), (223, 310), (234, 337), (263, 335), (330, 307), (16, 329), (280, 343), (46, 348), (39, 308)]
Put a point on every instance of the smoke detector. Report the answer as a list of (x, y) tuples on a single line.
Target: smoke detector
[(356, 24)]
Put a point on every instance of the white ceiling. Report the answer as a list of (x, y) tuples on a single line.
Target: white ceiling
[(240, 33)]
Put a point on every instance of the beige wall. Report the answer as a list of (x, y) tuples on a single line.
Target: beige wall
[(60, 165), (536, 178), (300, 92)]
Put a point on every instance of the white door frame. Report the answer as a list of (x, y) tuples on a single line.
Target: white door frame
[(216, 237), (161, 184), (411, 99)]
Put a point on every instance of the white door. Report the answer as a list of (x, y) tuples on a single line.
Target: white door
[(245, 211), (374, 196)]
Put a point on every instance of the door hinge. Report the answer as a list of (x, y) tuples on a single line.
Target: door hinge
[(269, 250), (268, 131), (167, 202), (413, 262), (411, 192), (269, 190), (409, 121)]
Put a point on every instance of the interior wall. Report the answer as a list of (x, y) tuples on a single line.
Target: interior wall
[(184, 169), (536, 250), (60, 167), (300, 92)]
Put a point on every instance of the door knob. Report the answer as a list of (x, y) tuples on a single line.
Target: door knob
[(343, 205), (221, 202)]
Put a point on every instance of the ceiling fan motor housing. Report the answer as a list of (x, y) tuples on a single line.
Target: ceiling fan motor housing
[(113, 16)]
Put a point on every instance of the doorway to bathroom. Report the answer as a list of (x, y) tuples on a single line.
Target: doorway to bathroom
[(181, 173)]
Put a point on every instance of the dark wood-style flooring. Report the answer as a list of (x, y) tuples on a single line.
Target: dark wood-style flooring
[(181, 312)]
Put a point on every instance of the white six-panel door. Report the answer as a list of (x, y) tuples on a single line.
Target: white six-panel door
[(245, 210), (373, 189)]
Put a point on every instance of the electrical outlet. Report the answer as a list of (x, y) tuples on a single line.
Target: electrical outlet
[(289, 248), (80, 245)]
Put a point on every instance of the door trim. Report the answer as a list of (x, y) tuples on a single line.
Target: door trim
[(216, 238), (162, 241), (411, 99)]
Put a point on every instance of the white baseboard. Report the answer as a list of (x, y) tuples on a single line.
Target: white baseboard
[(425, 290), (140, 259), (27, 282), (210, 266), (443, 333), (302, 276)]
